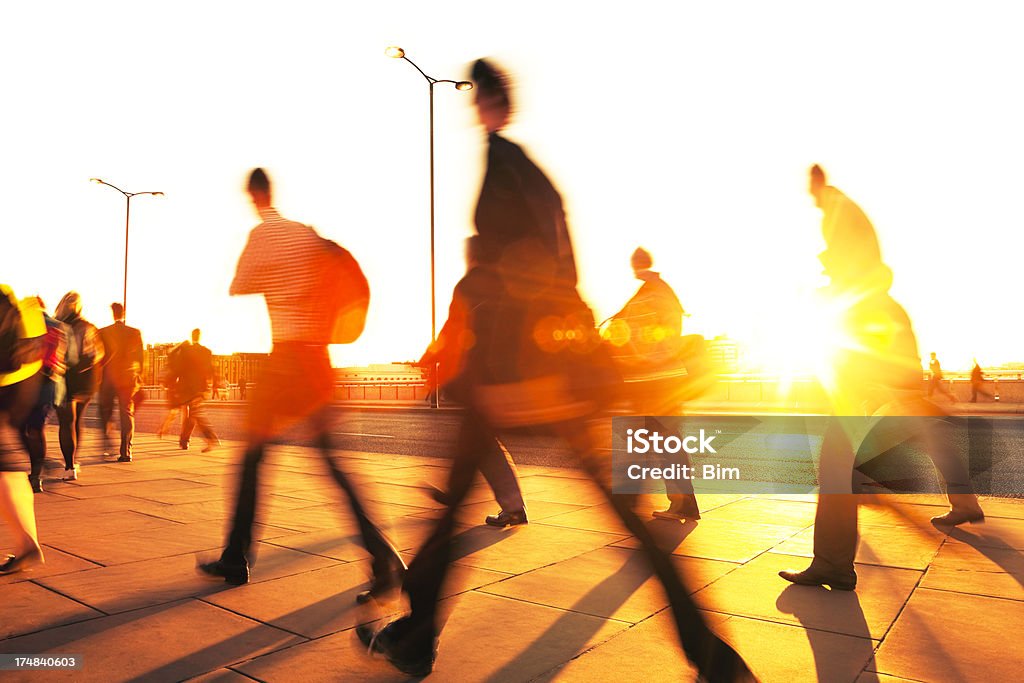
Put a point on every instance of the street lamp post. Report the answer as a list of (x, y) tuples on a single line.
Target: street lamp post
[(127, 214), (399, 53)]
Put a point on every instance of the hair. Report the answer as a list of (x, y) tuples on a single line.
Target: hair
[(259, 183), (195, 335), (491, 83), (641, 259), (818, 174), (70, 305), (118, 310)]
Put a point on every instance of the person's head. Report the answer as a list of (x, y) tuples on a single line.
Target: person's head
[(195, 336), (933, 355), (492, 97), (259, 188), (817, 182), (641, 260), (70, 306), (117, 310)]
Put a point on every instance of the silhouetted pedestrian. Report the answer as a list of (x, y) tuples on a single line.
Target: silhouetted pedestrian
[(195, 371), (296, 271), (52, 390), (978, 384), (122, 379), (935, 379), (82, 378), (535, 362), (22, 335)]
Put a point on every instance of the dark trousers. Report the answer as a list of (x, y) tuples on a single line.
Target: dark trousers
[(195, 416), (715, 659), (32, 435), (498, 468), (70, 432), (385, 556), (124, 394)]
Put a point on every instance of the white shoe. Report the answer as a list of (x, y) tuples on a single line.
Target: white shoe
[(71, 474)]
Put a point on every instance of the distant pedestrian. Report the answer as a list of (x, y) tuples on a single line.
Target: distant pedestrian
[(52, 390), (978, 384), (82, 378), (296, 270), (935, 380), (242, 385), (195, 370), (22, 334), (122, 372)]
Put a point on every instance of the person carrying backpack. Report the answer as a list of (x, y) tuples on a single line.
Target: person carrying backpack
[(84, 355)]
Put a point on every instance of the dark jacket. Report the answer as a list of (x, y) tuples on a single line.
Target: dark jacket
[(195, 370), (122, 363)]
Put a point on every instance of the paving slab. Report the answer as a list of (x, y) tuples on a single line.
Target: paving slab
[(524, 548), (57, 562), (765, 511), (716, 539), (614, 583), (907, 547), (28, 607), (181, 640), (756, 590), (942, 636), (983, 570)]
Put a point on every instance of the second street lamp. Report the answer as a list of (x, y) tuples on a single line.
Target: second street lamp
[(127, 214), (398, 53)]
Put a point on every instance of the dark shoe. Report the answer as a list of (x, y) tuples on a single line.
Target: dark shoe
[(12, 563), (235, 574), (125, 458), (210, 445), (504, 519), (439, 495), (396, 644), (814, 577), (680, 510), (183, 446), (955, 517), (37, 484), (381, 585)]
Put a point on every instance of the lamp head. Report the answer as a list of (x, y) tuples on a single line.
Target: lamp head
[(394, 52), (157, 194), (96, 180), (463, 85)]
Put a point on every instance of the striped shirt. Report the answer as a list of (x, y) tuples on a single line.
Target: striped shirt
[(283, 260)]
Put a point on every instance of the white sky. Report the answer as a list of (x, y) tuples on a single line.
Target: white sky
[(685, 127)]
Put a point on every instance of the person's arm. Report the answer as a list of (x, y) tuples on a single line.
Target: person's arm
[(248, 273)]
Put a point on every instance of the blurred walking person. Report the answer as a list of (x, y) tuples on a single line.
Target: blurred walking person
[(299, 275), (935, 380), (22, 335), (444, 361), (195, 372), (535, 361), (876, 372), (52, 390), (170, 381), (648, 330), (978, 384), (122, 372), (82, 378)]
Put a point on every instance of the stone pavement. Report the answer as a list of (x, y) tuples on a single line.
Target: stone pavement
[(565, 598)]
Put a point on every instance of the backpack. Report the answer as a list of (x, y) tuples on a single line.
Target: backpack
[(21, 337), (347, 293)]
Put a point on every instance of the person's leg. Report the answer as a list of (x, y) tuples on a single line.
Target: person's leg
[(197, 412), (34, 441), (17, 506), (188, 423), (79, 413), (715, 659), (835, 520), (126, 407), (499, 470), (388, 566), (409, 642), (107, 395), (66, 430)]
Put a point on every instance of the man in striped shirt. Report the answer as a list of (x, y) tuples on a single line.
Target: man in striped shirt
[(285, 262)]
